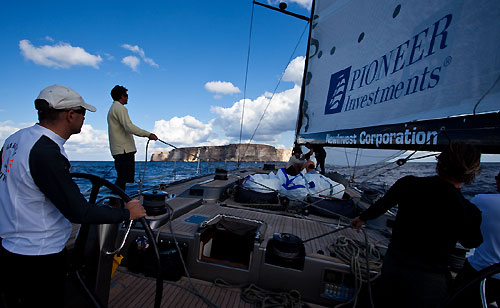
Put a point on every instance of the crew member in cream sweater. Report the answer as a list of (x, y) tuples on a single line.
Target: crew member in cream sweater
[(121, 140)]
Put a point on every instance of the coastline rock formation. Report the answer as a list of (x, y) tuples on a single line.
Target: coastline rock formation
[(231, 152)]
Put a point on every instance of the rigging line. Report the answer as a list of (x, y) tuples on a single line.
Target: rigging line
[(192, 289), (404, 160), (325, 234), (180, 149), (420, 157), (246, 78), (355, 165), (313, 204), (276, 88), (487, 92), (397, 166), (144, 169), (347, 158), (378, 168), (399, 162)]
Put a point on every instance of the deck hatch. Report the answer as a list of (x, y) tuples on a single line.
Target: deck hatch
[(229, 240)]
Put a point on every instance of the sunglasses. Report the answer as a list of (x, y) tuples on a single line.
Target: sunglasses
[(81, 111)]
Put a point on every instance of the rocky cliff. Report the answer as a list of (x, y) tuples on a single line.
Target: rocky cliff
[(254, 152)]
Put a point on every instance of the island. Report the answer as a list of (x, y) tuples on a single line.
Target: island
[(231, 152)]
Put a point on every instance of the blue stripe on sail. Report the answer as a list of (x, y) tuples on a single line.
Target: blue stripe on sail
[(292, 187), (289, 181)]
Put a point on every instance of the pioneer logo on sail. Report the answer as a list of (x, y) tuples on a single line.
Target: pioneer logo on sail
[(336, 92), (373, 77)]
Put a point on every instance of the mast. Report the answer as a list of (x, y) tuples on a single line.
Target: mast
[(304, 75)]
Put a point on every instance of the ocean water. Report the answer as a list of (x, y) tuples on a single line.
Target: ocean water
[(154, 173), (381, 179), (377, 177)]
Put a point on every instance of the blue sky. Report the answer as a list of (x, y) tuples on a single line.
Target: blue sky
[(183, 62)]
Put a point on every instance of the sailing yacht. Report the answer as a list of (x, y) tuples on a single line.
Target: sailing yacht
[(403, 75)]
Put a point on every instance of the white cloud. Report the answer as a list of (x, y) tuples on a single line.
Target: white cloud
[(137, 50), (280, 116), (48, 38), (89, 139), (109, 57), (61, 55), (295, 71), (7, 128), (221, 87), (185, 131), (132, 62), (90, 144)]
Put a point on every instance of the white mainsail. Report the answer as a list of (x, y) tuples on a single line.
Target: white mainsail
[(403, 74)]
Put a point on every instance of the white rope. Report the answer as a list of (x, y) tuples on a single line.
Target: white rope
[(353, 253)]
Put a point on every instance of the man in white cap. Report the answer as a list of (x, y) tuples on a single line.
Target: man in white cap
[(121, 133), (39, 201)]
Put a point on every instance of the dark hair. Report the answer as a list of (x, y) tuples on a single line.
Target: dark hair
[(117, 92), (459, 161), (297, 150), (46, 114)]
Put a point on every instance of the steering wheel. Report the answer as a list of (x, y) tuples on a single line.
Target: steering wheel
[(81, 240), (482, 274), (97, 183)]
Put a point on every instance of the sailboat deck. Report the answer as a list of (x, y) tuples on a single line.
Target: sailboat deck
[(276, 223), (135, 290), (130, 290)]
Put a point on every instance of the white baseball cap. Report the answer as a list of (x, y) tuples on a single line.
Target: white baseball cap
[(62, 97)]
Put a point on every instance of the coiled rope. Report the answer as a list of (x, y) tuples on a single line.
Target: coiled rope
[(260, 297), (352, 252)]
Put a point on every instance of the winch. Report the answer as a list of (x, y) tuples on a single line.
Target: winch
[(286, 250), (154, 203)]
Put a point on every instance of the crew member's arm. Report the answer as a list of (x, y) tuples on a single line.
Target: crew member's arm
[(390, 199), (50, 172), (121, 114)]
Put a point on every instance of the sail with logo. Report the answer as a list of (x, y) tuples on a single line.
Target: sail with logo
[(407, 75)]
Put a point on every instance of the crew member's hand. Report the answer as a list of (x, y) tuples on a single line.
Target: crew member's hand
[(152, 137), (357, 223), (136, 209)]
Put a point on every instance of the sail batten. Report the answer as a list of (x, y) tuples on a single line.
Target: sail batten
[(406, 74)]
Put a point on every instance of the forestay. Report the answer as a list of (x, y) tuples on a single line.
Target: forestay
[(403, 74)]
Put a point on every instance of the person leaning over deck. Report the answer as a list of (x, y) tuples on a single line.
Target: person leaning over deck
[(121, 139), (39, 201), (319, 153), (432, 216), (296, 157), (488, 253)]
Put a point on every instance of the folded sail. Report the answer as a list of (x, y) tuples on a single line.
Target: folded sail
[(403, 74)]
